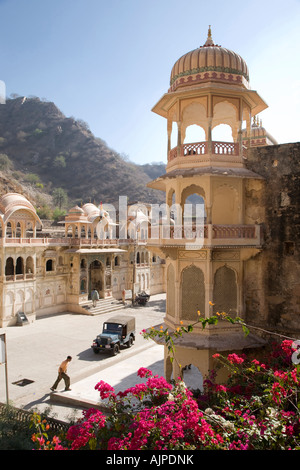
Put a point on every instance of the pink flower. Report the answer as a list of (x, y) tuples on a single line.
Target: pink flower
[(235, 359), (105, 390), (143, 372)]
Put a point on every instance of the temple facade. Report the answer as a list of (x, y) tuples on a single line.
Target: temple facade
[(44, 273)]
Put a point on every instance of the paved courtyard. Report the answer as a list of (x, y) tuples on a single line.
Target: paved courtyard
[(35, 351)]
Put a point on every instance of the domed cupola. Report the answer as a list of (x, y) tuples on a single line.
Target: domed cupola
[(209, 63)]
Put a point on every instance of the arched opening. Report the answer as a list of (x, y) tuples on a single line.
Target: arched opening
[(174, 135), (194, 133), (70, 231), (9, 231), (18, 230), (29, 230), (222, 133), (193, 207), (192, 293), (49, 265), (96, 277), (29, 265), (225, 291), (20, 265), (9, 267), (192, 377)]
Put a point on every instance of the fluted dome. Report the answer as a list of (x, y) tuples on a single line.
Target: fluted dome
[(209, 63)]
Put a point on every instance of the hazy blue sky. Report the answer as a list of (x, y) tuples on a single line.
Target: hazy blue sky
[(108, 62)]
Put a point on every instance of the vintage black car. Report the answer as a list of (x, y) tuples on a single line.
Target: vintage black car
[(117, 331)]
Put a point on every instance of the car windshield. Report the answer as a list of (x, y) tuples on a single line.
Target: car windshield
[(112, 328)]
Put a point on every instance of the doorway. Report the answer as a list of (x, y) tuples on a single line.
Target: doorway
[(96, 278)]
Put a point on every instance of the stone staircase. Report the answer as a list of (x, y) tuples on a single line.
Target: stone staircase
[(103, 306)]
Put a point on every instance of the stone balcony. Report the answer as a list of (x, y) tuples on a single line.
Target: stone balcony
[(200, 153), (207, 236)]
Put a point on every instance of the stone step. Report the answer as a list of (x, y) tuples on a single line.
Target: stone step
[(103, 306)]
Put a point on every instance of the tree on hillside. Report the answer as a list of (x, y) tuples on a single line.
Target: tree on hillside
[(5, 162), (60, 197)]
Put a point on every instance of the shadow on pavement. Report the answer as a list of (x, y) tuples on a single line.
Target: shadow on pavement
[(157, 305)]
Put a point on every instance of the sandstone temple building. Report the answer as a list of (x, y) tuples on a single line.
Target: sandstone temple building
[(244, 257), (42, 274)]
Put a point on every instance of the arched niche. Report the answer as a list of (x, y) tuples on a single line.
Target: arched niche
[(29, 265), (192, 293), (225, 294)]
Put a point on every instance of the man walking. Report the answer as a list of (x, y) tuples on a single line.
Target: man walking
[(62, 374)]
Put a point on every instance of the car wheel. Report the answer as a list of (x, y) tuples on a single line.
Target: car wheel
[(96, 351), (116, 349), (129, 342)]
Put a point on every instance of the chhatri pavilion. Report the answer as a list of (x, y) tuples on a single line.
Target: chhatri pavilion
[(206, 263)]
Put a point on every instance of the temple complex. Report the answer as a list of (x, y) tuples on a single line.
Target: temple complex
[(226, 239), (48, 275)]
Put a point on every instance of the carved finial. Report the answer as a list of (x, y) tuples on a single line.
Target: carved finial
[(209, 40)]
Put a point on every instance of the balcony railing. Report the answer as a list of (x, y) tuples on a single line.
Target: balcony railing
[(202, 148), (68, 241), (209, 234)]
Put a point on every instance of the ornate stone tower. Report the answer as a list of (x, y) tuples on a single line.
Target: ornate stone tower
[(209, 90)]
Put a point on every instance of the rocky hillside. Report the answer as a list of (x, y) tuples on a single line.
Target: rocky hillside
[(41, 150)]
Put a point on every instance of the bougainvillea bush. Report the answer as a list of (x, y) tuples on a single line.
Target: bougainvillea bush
[(257, 409)]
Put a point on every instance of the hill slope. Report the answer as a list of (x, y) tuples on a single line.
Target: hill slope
[(61, 152)]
